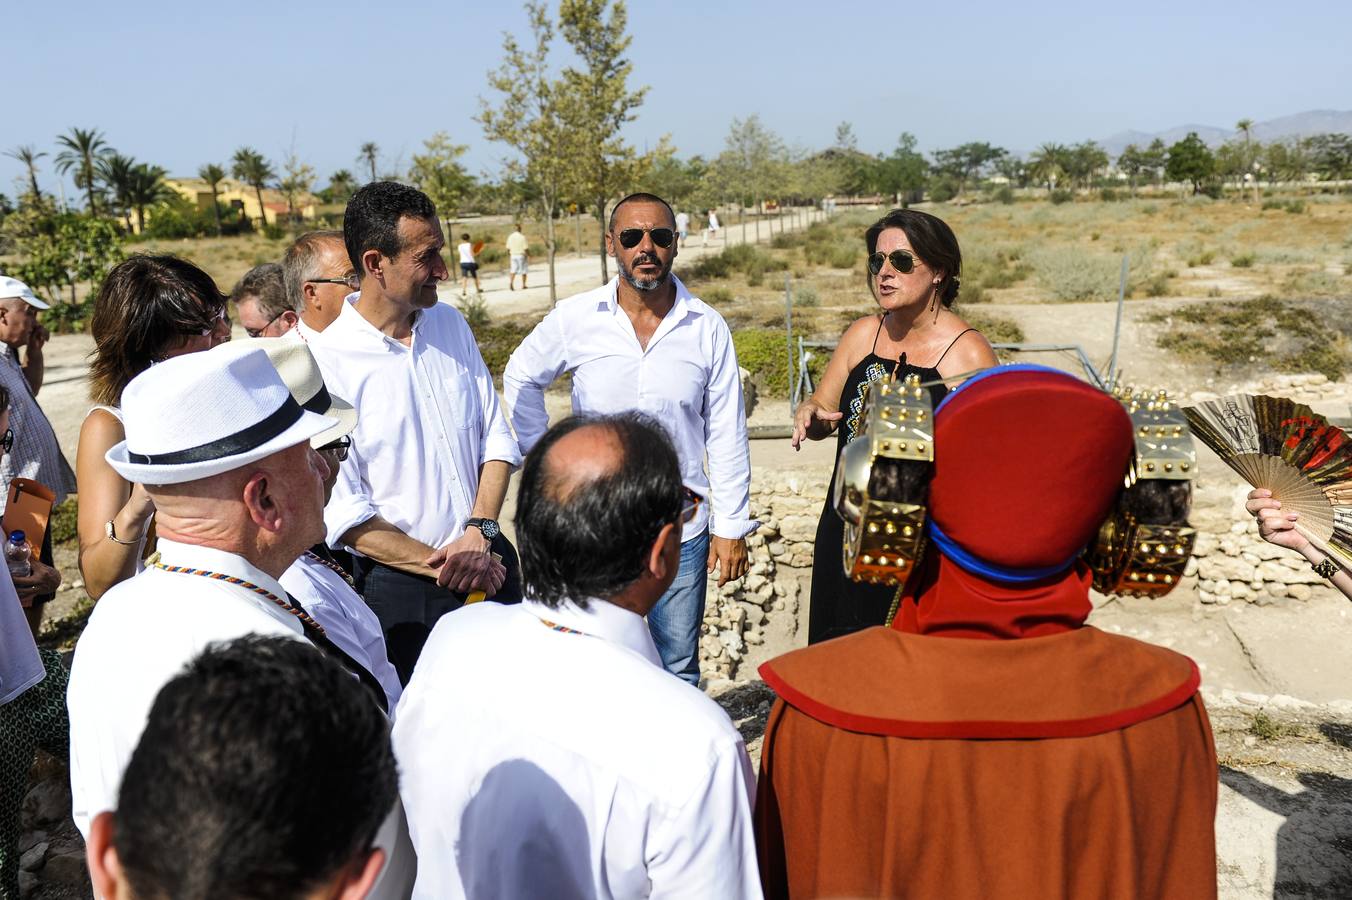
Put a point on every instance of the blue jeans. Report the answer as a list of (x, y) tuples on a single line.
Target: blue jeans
[(675, 620)]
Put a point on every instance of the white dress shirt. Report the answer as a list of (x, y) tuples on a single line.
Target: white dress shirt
[(142, 633), (428, 418), (349, 622), (538, 761), (687, 378), (20, 665)]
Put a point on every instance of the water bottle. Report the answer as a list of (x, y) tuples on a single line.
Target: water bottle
[(17, 555)]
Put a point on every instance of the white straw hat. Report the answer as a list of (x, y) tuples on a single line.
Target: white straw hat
[(300, 373), (201, 414)]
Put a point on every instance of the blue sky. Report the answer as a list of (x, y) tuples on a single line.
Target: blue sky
[(180, 84)]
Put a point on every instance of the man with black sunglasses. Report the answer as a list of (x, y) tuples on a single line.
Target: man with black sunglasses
[(644, 342)]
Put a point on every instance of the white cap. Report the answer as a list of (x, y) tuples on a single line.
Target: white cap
[(13, 287)]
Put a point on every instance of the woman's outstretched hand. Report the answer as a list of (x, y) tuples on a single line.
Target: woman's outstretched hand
[(1274, 524), (810, 412)]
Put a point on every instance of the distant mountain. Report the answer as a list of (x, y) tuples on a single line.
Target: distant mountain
[(1317, 121)]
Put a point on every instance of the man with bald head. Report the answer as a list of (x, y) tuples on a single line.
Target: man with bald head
[(580, 764)]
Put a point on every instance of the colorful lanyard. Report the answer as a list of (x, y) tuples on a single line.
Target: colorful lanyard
[(304, 617), (339, 570)]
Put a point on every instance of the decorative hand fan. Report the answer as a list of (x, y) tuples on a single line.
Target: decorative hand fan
[(478, 246), (1291, 450)]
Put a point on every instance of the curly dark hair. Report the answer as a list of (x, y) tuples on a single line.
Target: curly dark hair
[(145, 303), (371, 220), (933, 242), (589, 540)]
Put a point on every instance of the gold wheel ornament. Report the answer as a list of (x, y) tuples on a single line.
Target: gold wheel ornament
[(881, 487), (1144, 546)]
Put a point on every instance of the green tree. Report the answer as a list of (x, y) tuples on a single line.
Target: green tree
[(903, 174), (437, 172), (1049, 163), (369, 153), (608, 165), (83, 147), (297, 179), (534, 117), (753, 164), (342, 185), (1084, 161), (1014, 169), (252, 168), (64, 250), (965, 162), (117, 173), (678, 182), (1154, 158), (147, 188), (213, 175), (29, 156), (1190, 161), (1132, 161), (1331, 155)]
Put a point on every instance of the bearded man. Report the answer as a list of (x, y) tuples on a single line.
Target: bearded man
[(643, 342)]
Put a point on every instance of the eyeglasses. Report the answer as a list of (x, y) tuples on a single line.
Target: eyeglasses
[(690, 502), (338, 448), (662, 237), (352, 281), (222, 316), (902, 260), (7, 442), (258, 332)]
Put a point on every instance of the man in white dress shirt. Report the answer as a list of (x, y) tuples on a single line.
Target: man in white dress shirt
[(318, 277), (543, 749), (644, 342), (419, 496), (231, 789), (224, 451)]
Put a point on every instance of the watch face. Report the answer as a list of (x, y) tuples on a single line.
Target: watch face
[(489, 528)]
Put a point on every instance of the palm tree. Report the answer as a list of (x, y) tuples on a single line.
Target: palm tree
[(117, 173), (1246, 126), (1048, 163), (252, 168), (369, 152), (146, 189), (29, 156), (213, 175), (83, 147)]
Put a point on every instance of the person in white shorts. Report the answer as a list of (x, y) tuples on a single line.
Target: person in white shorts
[(517, 245), (683, 226), (712, 230), (468, 267)]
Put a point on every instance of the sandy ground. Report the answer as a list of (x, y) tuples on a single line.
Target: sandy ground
[(1285, 817)]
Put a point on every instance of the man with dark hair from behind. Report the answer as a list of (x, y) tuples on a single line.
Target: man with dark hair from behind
[(240, 790), (580, 768)]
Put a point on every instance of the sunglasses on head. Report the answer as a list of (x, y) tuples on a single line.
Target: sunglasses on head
[(902, 260), (690, 502), (662, 237)]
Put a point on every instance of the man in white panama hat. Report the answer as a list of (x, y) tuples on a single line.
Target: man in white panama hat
[(322, 586), (224, 450)]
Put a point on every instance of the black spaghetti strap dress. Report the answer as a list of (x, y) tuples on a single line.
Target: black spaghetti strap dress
[(840, 605)]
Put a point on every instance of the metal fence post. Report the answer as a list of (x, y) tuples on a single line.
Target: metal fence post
[(788, 335)]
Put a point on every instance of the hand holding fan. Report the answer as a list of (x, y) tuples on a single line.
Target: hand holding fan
[(1294, 452)]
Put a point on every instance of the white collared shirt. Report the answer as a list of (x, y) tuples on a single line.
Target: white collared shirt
[(346, 618), (20, 665), (687, 378), (427, 418), (546, 752), (142, 633)]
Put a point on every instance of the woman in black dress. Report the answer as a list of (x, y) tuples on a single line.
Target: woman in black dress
[(914, 265)]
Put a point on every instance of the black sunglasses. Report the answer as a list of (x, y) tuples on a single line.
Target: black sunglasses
[(258, 332), (338, 448), (7, 442), (690, 502), (902, 260), (662, 237), (351, 281)]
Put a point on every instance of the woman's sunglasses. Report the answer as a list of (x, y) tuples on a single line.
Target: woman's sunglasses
[(901, 260), (662, 237), (690, 502)]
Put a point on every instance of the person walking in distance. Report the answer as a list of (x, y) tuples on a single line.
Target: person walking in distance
[(468, 267), (517, 249)]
